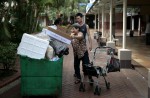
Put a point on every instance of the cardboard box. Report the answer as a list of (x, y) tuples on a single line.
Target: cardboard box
[(59, 35)]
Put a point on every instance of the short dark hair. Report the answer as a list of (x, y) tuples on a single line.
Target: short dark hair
[(79, 14), (57, 21)]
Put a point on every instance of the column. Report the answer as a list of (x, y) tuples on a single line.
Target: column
[(102, 21), (104, 39), (132, 24), (110, 43), (124, 55), (113, 22), (98, 18), (95, 22), (124, 23), (111, 16), (95, 33), (139, 27)]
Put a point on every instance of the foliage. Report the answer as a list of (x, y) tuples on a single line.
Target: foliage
[(8, 55), (67, 8), (18, 17), (23, 16)]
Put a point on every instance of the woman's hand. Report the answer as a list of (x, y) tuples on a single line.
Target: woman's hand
[(72, 35)]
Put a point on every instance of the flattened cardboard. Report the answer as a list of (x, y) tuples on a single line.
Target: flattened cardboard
[(59, 35)]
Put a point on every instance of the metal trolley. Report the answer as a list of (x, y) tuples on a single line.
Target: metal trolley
[(97, 68)]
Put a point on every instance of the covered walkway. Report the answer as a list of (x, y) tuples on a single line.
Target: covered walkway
[(128, 83)]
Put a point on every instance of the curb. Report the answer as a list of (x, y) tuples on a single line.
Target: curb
[(8, 81)]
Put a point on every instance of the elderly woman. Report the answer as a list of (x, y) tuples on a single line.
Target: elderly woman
[(79, 49)]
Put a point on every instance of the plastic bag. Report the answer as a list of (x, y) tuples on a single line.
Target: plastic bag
[(60, 48), (49, 53)]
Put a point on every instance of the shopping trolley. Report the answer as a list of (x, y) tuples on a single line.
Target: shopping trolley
[(97, 68)]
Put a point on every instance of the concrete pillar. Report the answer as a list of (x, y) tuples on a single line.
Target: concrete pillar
[(113, 22), (110, 43), (102, 21), (124, 55), (111, 18), (98, 18), (95, 22), (131, 33), (139, 24), (139, 27), (132, 24), (124, 23), (104, 39)]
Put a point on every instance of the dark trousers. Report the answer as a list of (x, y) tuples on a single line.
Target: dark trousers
[(147, 38), (85, 60)]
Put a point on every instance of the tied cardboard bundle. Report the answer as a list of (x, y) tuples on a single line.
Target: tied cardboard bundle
[(59, 35)]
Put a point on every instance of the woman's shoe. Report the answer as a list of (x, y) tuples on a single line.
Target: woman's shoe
[(75, 75), (77, 81)]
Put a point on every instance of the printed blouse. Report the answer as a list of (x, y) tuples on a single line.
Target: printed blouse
[(79, 47)]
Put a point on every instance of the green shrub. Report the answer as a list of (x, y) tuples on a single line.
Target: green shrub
[(8, 54)]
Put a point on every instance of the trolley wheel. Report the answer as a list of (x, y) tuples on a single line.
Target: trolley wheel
[(91, 82), (82, 87), (97, 91), (108, 85)]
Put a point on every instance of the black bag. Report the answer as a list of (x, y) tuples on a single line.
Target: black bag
[(90, 70), (113, 65)]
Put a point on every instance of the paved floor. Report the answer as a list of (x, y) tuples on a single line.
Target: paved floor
[(127, 83)]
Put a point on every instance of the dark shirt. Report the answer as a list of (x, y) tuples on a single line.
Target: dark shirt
[(83, 29)]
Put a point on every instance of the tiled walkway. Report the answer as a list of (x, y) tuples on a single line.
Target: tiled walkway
[(124, 84)]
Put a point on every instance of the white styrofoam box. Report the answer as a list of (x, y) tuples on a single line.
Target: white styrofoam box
[(32, 46), (58, 37)]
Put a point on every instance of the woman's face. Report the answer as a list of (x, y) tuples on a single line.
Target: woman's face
[(74, 30)]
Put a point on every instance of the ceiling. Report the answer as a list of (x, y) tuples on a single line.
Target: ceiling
[(133, 6)]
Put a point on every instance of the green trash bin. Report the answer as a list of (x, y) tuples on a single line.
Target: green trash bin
[(41, 77)]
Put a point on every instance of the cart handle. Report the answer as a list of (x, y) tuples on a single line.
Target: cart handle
[(101, 47)]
